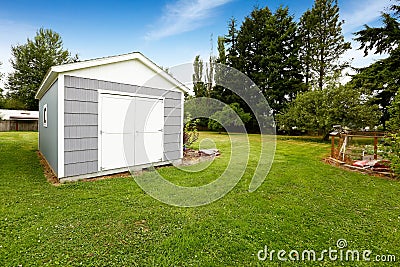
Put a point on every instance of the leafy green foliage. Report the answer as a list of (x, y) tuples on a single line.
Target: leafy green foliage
[(231, 116), (394, 111), (190, 133), (319, 110), (322, 43), (11, 103), (381, 79), (392, 151), (31, 61), (1, 77), (385, 39)]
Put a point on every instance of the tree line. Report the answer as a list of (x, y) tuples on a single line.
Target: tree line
[(297, 66)]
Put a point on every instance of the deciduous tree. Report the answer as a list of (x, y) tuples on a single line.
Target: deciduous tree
[(31, 61), (319, 110), (230, 116)]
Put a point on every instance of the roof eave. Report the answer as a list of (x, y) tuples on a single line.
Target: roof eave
[(46, 83), (55, 70)]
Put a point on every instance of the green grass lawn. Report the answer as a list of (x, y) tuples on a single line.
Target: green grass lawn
[(302, 204)]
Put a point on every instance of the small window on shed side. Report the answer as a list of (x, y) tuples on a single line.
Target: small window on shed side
[(45, 115)]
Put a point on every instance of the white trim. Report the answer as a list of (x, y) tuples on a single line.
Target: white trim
[(99, 118), (119, 170), (60, 130), (163, 131), (52, 73), (182, 123)]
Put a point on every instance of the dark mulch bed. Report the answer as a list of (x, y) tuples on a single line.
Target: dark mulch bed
[(190, 157)]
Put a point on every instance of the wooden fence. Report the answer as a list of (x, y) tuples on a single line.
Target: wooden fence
[(18, 125)]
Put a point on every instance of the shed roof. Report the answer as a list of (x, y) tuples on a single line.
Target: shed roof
[(53, 72)]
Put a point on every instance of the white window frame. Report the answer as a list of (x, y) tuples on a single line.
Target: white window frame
[(45, 117)]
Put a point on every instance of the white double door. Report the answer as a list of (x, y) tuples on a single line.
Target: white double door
[(131, 131)]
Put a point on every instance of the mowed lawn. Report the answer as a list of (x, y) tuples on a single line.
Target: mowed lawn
[(303, 204)]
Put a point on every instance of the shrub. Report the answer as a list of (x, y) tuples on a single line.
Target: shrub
[(392, 151), (190, 133)]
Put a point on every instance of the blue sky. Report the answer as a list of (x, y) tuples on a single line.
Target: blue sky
[(169, 32)]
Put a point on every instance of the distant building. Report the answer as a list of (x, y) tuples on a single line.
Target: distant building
[(18, 120)]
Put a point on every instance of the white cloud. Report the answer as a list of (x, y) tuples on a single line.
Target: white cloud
[(356, 14), (183, 16), (358, 60), (362, 12)]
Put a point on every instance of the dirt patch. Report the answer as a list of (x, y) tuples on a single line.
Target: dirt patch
[(191, 157), (47, 170)]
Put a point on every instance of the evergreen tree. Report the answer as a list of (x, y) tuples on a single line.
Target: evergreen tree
[(198, 83), (221, 50), (306, 48), (323, 42), (231, 41), (223, 73), (385, 39), (268, 52), (31, 61), (381, 79)]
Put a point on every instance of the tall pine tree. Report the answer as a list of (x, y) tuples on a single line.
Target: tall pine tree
[(268, 52), (306, 51), (323, 42), (198, 83), (231, 42)]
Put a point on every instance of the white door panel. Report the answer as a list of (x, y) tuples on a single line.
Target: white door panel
[(149, 130), (114, 110), (135, 122)]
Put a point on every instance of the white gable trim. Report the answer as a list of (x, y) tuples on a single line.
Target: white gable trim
[(55, 70)]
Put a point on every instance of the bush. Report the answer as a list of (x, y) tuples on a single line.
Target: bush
[(392, 151), (231, 116), (190, 133)]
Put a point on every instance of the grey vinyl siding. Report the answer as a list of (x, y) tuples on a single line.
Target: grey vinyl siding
[(81, 121), (80, 127), (48, 136)]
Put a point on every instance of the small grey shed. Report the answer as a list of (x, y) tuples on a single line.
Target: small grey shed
[(101, 116)]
